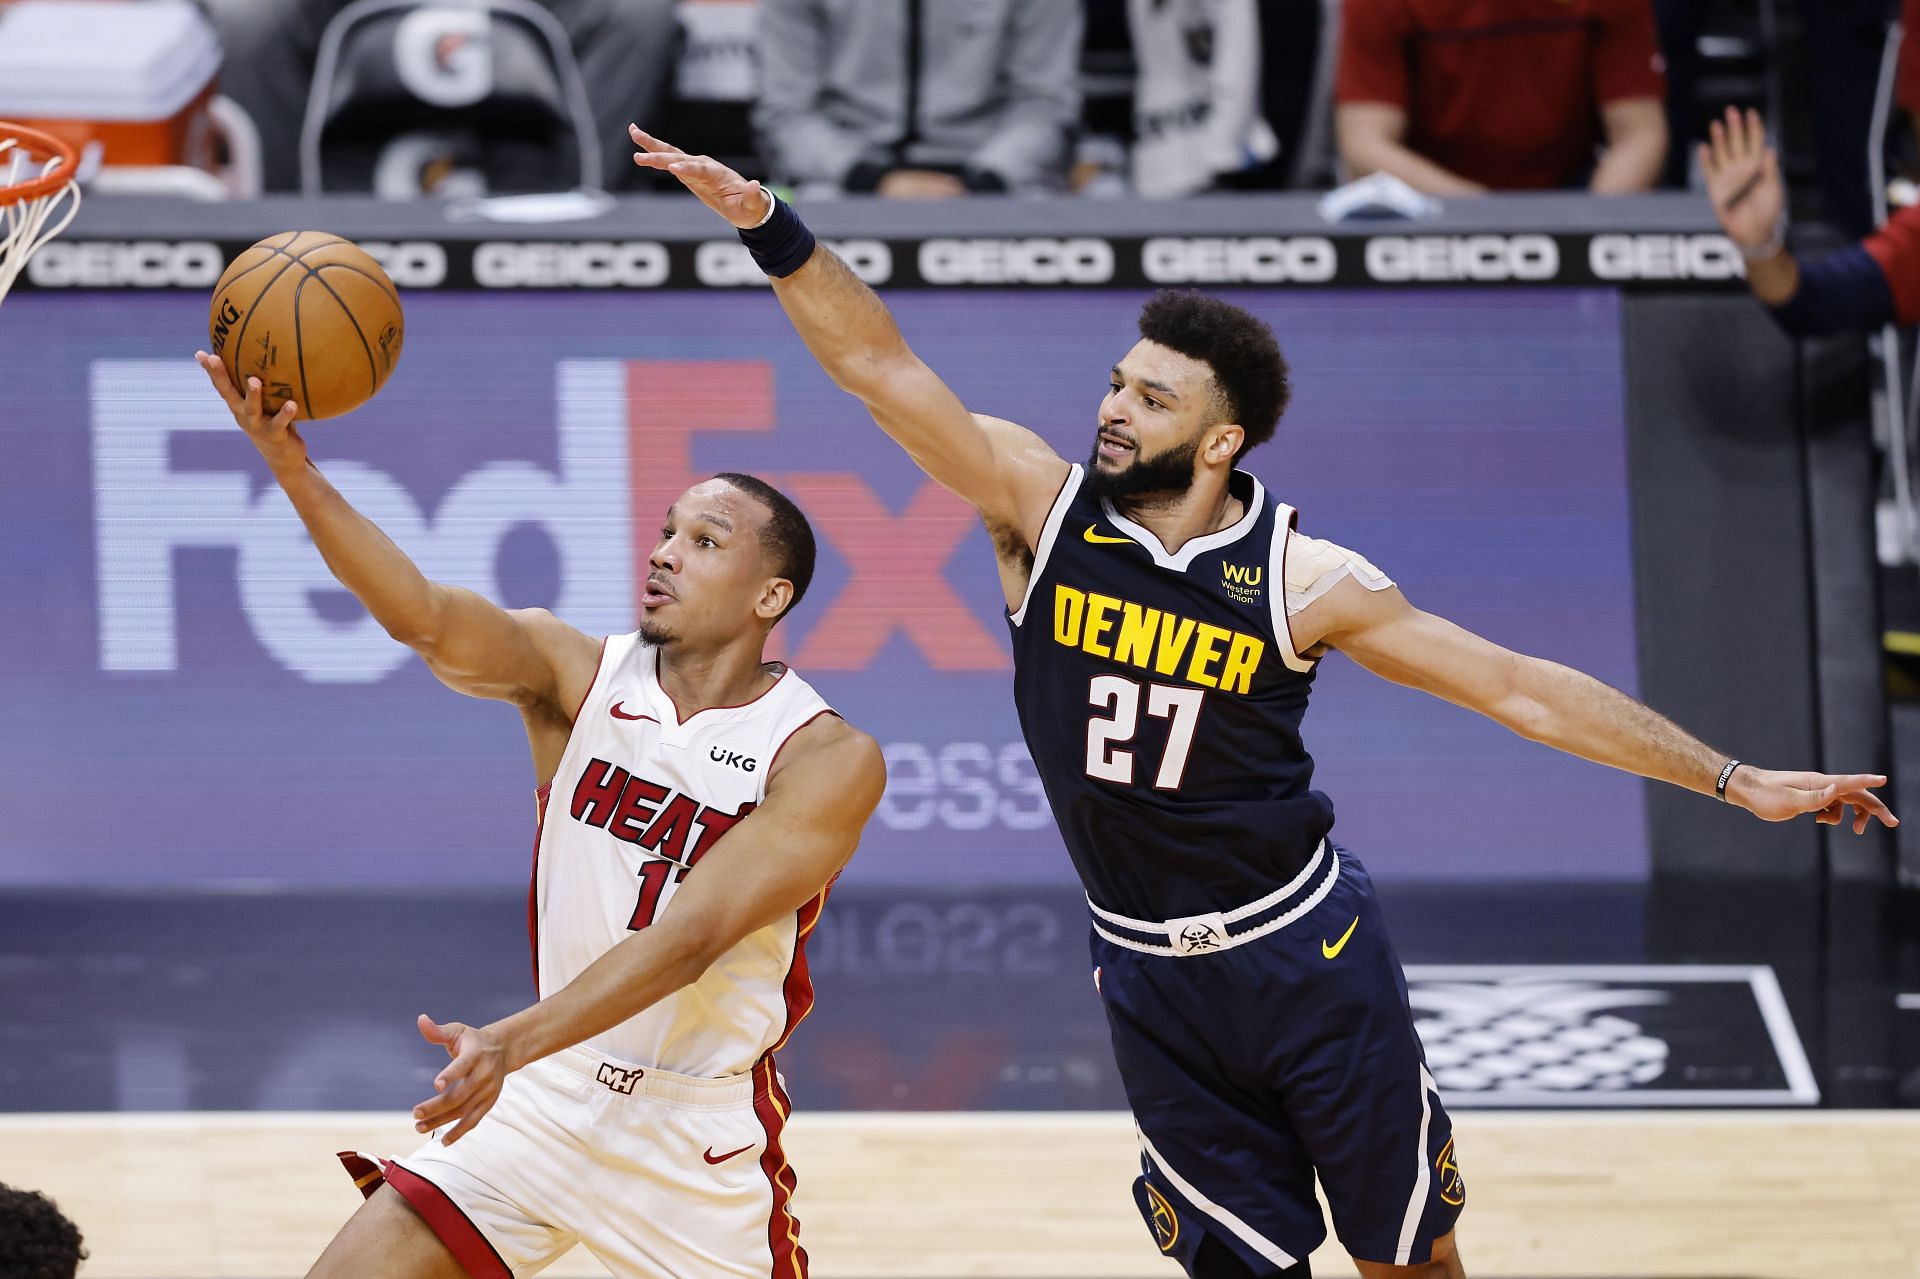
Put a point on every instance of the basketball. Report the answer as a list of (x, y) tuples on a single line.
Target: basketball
[(313, 317)]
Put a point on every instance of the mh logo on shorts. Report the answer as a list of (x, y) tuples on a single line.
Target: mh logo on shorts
[(621, 1081)]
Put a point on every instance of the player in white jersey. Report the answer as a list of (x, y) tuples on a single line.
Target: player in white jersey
[(695, 804)]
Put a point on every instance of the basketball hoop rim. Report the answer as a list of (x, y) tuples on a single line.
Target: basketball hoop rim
[(39, 188)]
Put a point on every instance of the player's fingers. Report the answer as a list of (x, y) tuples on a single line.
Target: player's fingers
[(1756, 130), (283, 420), (254, 393), (433, 1032), (439, 1109), (1851, 782), (217, 374), (1872, 804), (454, 1072), (1703, 155), (646, 141), (1740, 129), (1717, 140), (466, 1124)]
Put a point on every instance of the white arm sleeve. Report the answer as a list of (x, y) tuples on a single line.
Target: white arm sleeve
[(1314, 567)]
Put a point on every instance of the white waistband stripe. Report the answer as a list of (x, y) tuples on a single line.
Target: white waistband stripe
[(1220, 940)]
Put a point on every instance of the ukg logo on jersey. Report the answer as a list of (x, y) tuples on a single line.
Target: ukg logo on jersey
[(622, 450)]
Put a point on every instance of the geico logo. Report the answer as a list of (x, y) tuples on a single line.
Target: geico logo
[(410, 264), (1254, 259), (727, 264), (145, 510), (1395, 258), (1664, 257), (871, 260), (589, 264), (1029, 261), (140, 264)]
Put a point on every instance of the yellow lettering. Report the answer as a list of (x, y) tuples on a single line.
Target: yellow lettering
[(1206, 651), (1068, 604), (1243, 659), (1137, 629), (1098, 621), (1175, 632)]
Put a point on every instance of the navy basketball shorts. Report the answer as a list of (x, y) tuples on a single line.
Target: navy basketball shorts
[(1266, 1045)]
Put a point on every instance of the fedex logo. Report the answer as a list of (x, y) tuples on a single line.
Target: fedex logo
[(626, 434)]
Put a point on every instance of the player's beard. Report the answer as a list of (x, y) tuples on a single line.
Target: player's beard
[(657, 634), (1168, 473)]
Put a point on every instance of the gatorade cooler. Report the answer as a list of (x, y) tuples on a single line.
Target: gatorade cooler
[(128, 80)]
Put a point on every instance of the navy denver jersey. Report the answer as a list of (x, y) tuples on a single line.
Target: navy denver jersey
[(1161, 698)]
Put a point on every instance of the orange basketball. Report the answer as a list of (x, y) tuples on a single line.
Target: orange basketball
[(313, 317)]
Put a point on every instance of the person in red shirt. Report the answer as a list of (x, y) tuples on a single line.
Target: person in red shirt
[(1862, 286), (1459, 97)]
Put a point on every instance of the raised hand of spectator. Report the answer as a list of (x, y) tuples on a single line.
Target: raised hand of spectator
[(920, 184), (1743, 179)]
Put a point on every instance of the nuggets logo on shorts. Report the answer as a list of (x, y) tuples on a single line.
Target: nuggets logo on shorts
[(1453, 1189), (1165, 1222)]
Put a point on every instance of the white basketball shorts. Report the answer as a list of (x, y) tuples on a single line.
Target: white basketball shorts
[(660, 1176)]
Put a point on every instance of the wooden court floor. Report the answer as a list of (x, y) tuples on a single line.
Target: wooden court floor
[(1808, 1195)]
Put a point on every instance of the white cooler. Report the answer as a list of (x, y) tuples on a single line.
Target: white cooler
[(129, 80)]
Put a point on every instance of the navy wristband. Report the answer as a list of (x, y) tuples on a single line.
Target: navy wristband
[(782, 244)]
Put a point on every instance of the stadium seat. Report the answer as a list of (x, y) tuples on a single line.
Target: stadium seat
[(415, 99)]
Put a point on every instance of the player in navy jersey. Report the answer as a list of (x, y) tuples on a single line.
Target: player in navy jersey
[(1167, 620)]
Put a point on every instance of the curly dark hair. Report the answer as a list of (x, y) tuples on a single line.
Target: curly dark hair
[(1249, 372), (787, 535), (36, 1240)]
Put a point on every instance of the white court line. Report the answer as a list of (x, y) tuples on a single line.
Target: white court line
[(1786, 1040), (1910, 1001)]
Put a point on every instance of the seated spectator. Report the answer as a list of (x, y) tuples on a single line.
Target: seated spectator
[(1862, 286), (919, 100), (625, 50), (36, 1240), (1460, 97), (1197, 108)]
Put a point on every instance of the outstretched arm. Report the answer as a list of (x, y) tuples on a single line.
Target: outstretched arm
[(1563, 708), (1009, 474), (527, 657), (770, 865)]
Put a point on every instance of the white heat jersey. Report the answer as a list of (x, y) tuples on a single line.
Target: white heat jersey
[(639, 798)]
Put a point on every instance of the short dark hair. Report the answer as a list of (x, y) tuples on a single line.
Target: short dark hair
[(36, 1240), (1237, 345), (787, 535)]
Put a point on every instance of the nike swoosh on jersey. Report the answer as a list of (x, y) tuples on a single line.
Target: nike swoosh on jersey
[(1331, 950), (1101, 539), (712, 1158), (617, 713)]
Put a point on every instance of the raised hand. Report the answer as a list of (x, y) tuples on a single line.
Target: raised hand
[(1778, 797), (272, 433), (466, 1090), (733, 197), (1743, 178)]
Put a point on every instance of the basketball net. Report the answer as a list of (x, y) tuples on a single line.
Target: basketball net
[(38, 195)]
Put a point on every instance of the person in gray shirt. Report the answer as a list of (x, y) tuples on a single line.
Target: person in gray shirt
[(919, 98)]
